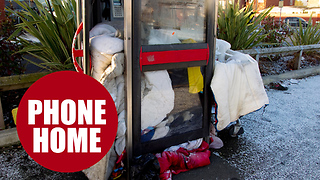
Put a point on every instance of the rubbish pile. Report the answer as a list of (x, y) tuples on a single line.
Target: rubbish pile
[(237, 79)]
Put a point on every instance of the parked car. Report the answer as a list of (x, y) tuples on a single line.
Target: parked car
[(294, 21)]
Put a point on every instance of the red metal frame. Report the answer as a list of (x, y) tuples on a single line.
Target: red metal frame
[(173, 56)]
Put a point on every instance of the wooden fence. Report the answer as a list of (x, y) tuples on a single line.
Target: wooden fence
[(26, 80), (279, 50), (17, 82)]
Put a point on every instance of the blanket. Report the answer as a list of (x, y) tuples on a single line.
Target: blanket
[(237, 88)]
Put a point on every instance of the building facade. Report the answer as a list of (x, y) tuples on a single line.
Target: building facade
[(262, 4), (313, 3), (291, 8), (276, 3)]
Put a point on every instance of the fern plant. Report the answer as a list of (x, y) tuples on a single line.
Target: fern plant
[(54, 30), (239, 28)]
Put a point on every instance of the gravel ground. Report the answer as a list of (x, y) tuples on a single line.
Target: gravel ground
[(280, 141), (15, 164), (281, 63)]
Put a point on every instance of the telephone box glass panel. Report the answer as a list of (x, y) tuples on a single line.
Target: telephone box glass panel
[(170, 103), (172, 21)]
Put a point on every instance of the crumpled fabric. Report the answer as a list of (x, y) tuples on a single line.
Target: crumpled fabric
[(190, 145), (108, 68), (103, 45), (156, 90), (102, 29), (158, 100), (221, 48), (174, 162), (145, 167), (215, 142), (238, 88)]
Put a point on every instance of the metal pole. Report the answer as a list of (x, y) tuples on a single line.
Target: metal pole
[(78, 21), (280, 15), (280, 6), (2, 125), (280, 18), (212, 18), (78, 18), (129, 66), (215, 25), (86, 27), (214, 5), (256, 5), (226, 5)]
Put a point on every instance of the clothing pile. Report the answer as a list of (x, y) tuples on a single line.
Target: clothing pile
[(236, 85), (188, 156), (156, 92)]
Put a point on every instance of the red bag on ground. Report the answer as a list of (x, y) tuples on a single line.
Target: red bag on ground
[(182, 160)]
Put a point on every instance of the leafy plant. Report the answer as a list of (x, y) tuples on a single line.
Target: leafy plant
[(276, 31), (10, 61), (239, 28), (54, 30), (307, 35)]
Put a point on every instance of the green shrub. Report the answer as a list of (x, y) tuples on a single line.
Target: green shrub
[(10, 61), (239, 28), (54, 31), (307, 35), (276, 31)]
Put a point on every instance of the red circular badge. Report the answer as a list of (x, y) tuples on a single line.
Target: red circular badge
[(67, 121)]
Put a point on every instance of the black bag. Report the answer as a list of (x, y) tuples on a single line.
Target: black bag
[(145, 167)]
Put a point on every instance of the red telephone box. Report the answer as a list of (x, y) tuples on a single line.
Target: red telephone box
[(166, 44)]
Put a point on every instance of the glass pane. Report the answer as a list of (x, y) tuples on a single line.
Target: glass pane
[(183, 113), (172, 21)]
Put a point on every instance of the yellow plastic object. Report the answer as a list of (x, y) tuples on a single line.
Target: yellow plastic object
[(194, 75), (195, 80), (14, 114), (188, 41)]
